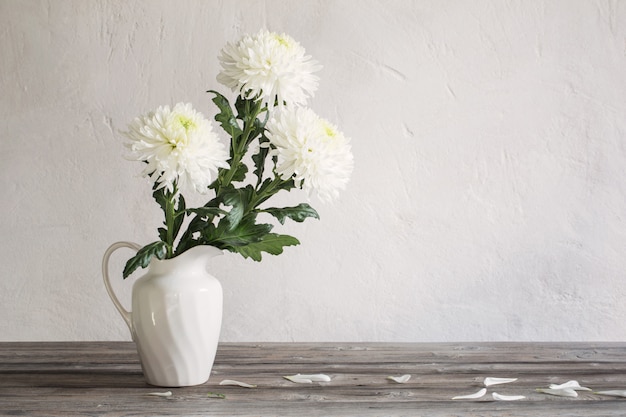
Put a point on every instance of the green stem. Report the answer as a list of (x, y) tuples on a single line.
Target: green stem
[(265, 193), (170, 214), (239, 149), (239, 146)]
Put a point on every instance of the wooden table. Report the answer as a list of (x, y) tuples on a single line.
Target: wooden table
[(104, 378)]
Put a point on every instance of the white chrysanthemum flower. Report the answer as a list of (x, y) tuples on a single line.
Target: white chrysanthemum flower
[(312, 151), (271, 65), (179, 146)]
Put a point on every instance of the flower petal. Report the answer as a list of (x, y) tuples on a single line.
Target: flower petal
[(308, 378), (310, 150), (560, 392), (489, 381), (614, 393), (161, 394), (298, 379), (499, 397), (237, 383), (316, 377), (570, 384), (400, 379), (270, 65), (178, 146), (475, 395)]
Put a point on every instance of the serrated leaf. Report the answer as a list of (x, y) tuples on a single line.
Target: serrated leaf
[(259, 160), (144, 256), (207, 212), (244, 233), (298, 213), (238, 199), (247, 111), (179, 217), (239, 172), (202, 222), (226, 117), (161, 198), (271, 187), (242, 105), (287, 185), (259, 124), (271, 243), (258, 128)]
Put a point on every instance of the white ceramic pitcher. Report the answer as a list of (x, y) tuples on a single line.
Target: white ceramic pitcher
[(176, 316)]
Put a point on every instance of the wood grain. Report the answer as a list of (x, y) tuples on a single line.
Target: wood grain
[(105, 379)]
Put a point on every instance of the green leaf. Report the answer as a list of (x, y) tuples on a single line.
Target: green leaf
[(144, 255), (161, 198), (179, 215), (246, 232), (259, 124), (259, 159), (247, 111), (242, 105), (271, 243), (298, 213), (239, 172), (271, 187), (203, 220), (239, 199), (226, 117), (287, 185), (207, 212)]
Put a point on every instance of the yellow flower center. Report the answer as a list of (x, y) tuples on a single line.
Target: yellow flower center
[(186, 123), (329, 129), (282, 40)]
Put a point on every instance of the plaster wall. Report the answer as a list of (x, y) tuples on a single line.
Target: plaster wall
[(488, 200)]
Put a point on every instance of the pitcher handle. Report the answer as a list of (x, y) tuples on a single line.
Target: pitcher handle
[(107, 281)]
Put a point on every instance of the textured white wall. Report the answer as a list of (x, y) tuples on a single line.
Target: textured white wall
[(488, 200)]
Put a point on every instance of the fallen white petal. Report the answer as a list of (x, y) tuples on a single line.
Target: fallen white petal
[(570, 384), (298, 379), (499, 397), (400, 379), (316, 377), (495, 381), (471, 396), (161, 394), (561, 392), (240, 384), (308, 378), (614, 393)]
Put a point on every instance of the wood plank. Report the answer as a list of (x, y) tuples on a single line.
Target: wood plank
[(104, 378)]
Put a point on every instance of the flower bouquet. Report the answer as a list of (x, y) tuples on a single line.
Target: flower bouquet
[(287, 145)]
